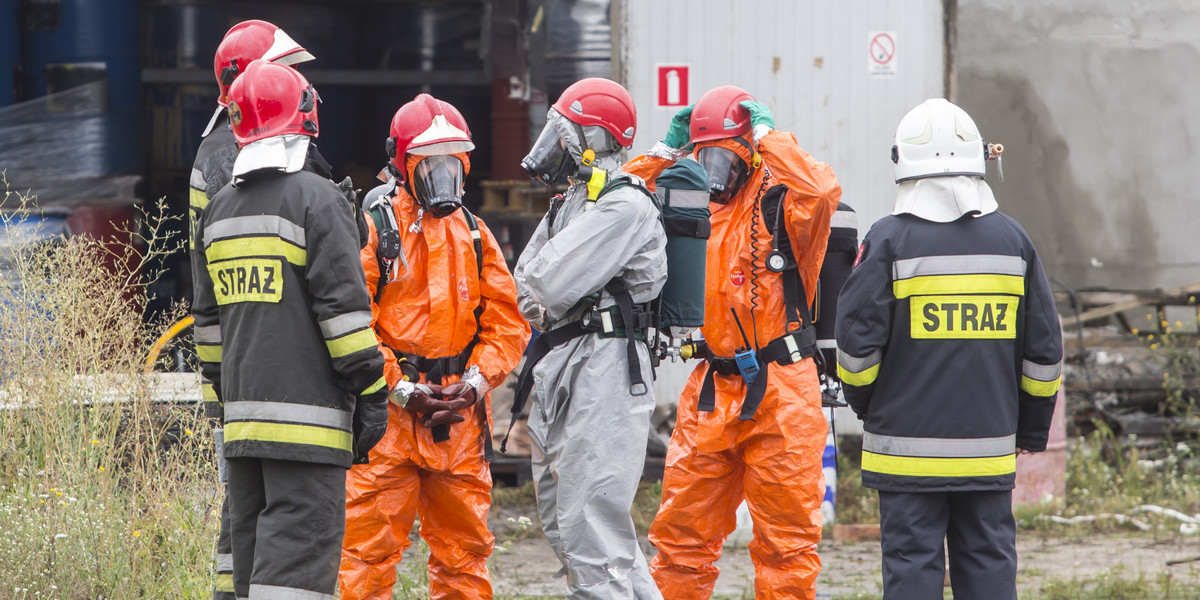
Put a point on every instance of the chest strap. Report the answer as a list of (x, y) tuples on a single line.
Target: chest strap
[(634, 319), (784, 350)]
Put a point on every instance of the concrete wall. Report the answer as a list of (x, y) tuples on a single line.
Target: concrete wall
[(1096, 102)]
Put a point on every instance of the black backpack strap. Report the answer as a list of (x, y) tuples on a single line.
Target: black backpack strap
[(795, 300), (489, 453), (620, 293)]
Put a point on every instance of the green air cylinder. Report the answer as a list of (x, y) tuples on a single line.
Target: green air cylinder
[(682, 191)]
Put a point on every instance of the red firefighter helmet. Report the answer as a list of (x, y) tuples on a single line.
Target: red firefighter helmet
[(249, 41), (426, 126), (718, 114), (603, 102), (269, 99)]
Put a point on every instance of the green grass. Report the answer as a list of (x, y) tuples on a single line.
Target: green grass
[(102, 492)]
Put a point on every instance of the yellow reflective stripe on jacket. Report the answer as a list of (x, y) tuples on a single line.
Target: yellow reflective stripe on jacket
[(858, 371), (249, 247), (288, 433), (860, 378), (977, 283), (351, 343), (1035, 387), (209, 354), (375, 387), (939, 467), (197, 199)]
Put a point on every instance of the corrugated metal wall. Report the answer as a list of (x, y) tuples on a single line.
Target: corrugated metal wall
[(806, 59)]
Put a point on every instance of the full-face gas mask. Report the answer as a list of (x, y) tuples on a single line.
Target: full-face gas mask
[(549, 161), (437, 182), (726, 172)]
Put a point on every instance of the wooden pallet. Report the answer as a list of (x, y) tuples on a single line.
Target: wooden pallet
[(516, 196)]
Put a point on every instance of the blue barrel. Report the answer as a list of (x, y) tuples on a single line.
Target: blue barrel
[(85, 41), (10, 49)]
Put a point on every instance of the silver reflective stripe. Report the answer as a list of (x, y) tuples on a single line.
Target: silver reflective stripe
[(208, 334), (827, 344), (287, 412), (685, 198), (959, 264), (197, 181), (256, 224), (259, 591), (858, 365), (844, 218), (939, 447), (1040, 372), (345, 323), (224, 563)]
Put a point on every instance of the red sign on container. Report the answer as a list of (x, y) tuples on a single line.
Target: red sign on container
[(673, 85)]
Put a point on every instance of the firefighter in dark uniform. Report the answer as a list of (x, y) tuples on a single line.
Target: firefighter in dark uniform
[(283, 332), (950, 351), (213, 168)]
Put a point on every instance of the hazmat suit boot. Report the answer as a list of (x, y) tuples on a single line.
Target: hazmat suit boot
[(719, 456), (286, 519), (429, 310), (588, 428)]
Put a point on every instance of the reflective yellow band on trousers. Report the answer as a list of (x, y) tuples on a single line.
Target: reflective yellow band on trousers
[(349, 344), (249, 247), (288, 433), (959, 284), (224, 583), (1039, 388), (208, 393), (939, 467)]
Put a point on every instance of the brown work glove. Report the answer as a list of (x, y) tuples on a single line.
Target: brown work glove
[(455, 397)]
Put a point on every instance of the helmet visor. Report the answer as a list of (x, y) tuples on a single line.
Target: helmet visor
[(438, 184), (726, 172), (548, 161)]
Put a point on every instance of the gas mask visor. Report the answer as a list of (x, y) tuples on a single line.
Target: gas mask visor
[(726, 172), (438, 184), (548, 161)]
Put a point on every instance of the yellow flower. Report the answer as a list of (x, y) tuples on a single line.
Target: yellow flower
[(102, 468), (1150, 337), (1153, 346), (187, 431), (58, 492), (95, 441), (137, 533), (1179, 323), (1134, 331)]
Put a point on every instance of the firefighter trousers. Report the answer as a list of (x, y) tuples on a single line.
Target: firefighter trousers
[(286, 522), (223, 588), (977, 528)]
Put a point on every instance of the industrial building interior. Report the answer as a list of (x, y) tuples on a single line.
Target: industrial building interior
[(128, 86)]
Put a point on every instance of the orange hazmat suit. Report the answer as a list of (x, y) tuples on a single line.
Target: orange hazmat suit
[(428, 311), (715, 460)]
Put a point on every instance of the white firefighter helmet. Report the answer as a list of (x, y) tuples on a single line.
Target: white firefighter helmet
[(937, 139)]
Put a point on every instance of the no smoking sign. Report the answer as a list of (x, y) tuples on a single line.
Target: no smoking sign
[(881, 54)]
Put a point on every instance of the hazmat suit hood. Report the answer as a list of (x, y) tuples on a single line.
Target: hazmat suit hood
[(564, 141), (945, 199)]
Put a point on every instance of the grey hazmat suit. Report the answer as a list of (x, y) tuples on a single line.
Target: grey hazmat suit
[(587, 428)]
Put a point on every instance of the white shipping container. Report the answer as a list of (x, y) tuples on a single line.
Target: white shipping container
[(839, 74)]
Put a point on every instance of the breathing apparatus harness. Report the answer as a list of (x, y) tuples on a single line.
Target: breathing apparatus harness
[(800, 341), (390, 250), (635, 319)]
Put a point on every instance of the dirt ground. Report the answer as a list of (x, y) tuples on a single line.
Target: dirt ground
[(527, 567)]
